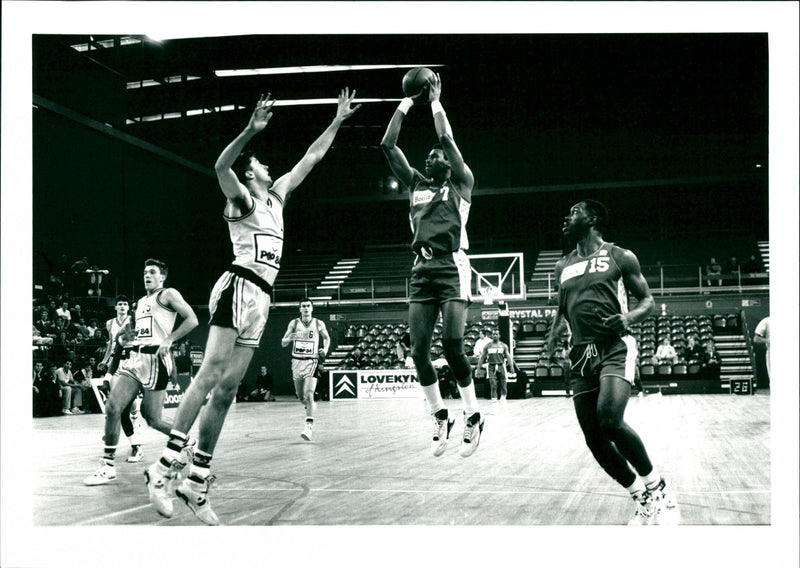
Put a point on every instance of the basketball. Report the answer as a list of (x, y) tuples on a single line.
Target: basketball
[(415, 80)]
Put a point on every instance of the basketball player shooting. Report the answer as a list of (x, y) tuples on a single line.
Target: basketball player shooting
[(440, 201)]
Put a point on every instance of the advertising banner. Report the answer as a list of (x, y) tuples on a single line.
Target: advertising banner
[(374, 384), (176, 389)]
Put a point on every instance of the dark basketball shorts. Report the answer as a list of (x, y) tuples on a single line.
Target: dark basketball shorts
[(591, 361), (440, 279)]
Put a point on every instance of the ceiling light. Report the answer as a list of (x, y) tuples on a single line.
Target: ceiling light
[(312, 69)]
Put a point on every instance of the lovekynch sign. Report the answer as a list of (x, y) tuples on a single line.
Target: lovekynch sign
[(374, 384)]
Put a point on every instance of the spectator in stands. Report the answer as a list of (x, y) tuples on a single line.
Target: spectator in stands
[(52, 308), (45, 325), (665, 353), (81, 331), (82, 377), (714, 272), (92, 326), (71, 391), (46, 394), (481, 343), (38, 339), (96, 345), (753, 265), (61, 324), (62, 347), (265, 383), (711, 360), (63, 312), (693, 351), (403, 350), (733, 266), (761, 337), (76, 312)]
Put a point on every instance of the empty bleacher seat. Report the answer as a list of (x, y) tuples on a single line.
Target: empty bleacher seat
[(664, 369), (556, 371), (528, 328), (693, 368), (542, 371), (647, 370), (719, 323), (679, 369)]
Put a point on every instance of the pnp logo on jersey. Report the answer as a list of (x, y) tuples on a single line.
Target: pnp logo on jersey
[(343, 385)]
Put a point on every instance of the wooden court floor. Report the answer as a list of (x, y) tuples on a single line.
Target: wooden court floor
[(369, 465)]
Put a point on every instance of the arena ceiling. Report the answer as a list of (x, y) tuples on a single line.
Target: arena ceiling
[(527, 110)]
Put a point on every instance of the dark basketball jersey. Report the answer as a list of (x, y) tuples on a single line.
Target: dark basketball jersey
[(438, 217), (591, 289), (495, 353)]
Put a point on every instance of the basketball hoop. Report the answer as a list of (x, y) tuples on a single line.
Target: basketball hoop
[(489, 293)]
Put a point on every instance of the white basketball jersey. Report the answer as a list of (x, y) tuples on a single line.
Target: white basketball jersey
[(114, 327), (154, 320), (306, 346), (257, 237)]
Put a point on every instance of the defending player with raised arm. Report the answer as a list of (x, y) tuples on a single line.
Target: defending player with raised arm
[(310, 342), (239, 303), (594, 281), (439, 207), (149, 365)]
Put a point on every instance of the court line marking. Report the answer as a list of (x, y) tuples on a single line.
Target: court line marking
[(117, 514), (95, 520), (485, 491)]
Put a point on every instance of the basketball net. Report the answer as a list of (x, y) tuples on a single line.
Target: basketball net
[(489, 293)]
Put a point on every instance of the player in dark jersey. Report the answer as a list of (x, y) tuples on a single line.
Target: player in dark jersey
[(594, 280), (439, 201), (497, 354)]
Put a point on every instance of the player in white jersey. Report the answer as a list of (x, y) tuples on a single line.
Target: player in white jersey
[(239, 303), (129, 417), (304, 334), (149, 364)]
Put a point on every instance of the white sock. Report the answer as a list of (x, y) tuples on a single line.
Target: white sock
[(652, 479), (468, 398), (637, 488), (434, 397)]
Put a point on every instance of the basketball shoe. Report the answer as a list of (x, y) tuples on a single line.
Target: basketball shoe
[(473, 427), (307, 431), (644, 510), (442, 424), (665, 506), (137, 453), (104, 474), (159, 481), (195, 495)]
